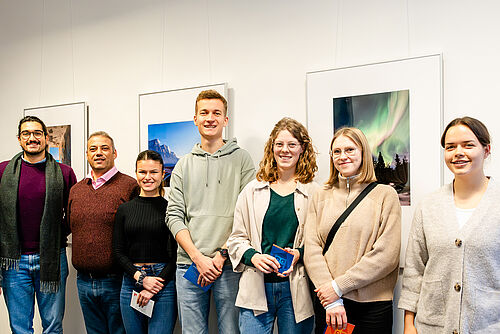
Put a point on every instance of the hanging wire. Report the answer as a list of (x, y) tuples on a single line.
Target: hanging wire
[(208, 43), (163, 42), (42, 41), (337, 34), (408, 26), (72, 44)]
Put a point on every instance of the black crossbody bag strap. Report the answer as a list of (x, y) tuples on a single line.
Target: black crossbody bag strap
[(346, 214)]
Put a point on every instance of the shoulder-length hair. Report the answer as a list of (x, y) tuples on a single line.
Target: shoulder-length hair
[(306, 165), (366, 170)]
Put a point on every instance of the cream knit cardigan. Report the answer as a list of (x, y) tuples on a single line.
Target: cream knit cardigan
[(451, 278)]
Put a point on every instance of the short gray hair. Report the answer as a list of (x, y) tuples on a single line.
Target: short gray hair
[(102, 134)]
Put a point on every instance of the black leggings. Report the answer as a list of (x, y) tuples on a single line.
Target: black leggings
[(368, 318)]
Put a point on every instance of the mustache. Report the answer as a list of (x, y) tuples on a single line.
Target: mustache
[(33, 142)]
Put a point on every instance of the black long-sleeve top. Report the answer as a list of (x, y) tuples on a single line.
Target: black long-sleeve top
[(141, 236)]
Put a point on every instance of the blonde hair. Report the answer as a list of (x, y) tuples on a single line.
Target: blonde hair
[(366, 170), (306, 165)]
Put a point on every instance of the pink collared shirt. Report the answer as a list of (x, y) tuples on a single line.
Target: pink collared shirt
[(96, 184)]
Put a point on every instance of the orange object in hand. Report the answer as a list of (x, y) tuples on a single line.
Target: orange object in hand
[(348, 330)]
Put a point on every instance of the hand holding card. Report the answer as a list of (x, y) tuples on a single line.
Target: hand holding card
[(284, 258), (146, 310), (192, 275)]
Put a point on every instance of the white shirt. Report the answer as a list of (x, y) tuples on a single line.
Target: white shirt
[(463, 216)]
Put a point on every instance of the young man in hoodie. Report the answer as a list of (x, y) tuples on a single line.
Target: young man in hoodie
[(204, 187)]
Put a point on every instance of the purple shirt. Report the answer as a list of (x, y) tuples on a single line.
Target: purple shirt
[(96, 184), (31, 201)]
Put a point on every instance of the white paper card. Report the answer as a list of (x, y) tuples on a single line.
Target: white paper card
[(147, 310)]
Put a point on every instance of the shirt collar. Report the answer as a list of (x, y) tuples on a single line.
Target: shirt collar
[(103, 178), (34, 163), (301, 188)]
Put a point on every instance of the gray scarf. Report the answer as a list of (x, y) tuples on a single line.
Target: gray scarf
[(50, 227)]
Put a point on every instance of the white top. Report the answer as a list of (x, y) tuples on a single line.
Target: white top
[(463, 216)]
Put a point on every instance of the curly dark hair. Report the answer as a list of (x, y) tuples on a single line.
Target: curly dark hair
[(31, 119)]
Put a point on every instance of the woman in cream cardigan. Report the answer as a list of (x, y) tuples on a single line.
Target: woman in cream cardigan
[(451, 279), (361, 264), (271, 210)]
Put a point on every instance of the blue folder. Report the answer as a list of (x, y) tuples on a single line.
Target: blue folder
[(192, 275)]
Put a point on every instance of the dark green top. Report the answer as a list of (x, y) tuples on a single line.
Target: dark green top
[(279, 227)]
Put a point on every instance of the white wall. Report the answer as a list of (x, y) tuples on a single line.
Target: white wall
[(107, 52)]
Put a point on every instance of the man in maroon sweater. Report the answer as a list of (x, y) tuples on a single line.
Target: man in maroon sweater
[(92, 206), (34, 191)]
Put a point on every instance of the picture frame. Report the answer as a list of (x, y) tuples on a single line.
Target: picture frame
[(166, 123), (422, 77), (67, 125)]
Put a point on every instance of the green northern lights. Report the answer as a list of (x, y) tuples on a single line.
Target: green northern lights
[(385, 120)]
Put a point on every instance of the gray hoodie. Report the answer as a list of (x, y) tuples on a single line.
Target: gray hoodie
[(204, 188)]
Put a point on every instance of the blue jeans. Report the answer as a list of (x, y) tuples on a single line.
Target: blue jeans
[(279, 305), (164, 312), (20, 288), (100, 302), (194, 303)]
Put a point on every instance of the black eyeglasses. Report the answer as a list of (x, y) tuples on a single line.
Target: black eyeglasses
[(27, 134)]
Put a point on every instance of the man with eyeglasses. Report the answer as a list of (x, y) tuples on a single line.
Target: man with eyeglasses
[(34, 190)]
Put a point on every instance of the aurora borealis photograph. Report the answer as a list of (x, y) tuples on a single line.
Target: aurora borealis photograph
[(385, 120)]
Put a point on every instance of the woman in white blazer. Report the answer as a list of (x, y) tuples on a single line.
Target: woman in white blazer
[(272, 210)]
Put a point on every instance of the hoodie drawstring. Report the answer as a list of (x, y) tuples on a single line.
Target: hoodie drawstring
[(229, 147), (218, 169), (206, 175), (207, 160)]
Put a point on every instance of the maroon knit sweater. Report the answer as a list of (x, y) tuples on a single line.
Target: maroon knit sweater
[(91, 218)]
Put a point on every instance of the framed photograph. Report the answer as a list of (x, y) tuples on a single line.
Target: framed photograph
[(68, 130), (398, 106), (166, 123)]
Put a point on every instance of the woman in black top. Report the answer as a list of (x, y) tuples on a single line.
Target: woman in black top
[(146, 250)]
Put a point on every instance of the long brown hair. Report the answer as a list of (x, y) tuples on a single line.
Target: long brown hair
[(306, 165)]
